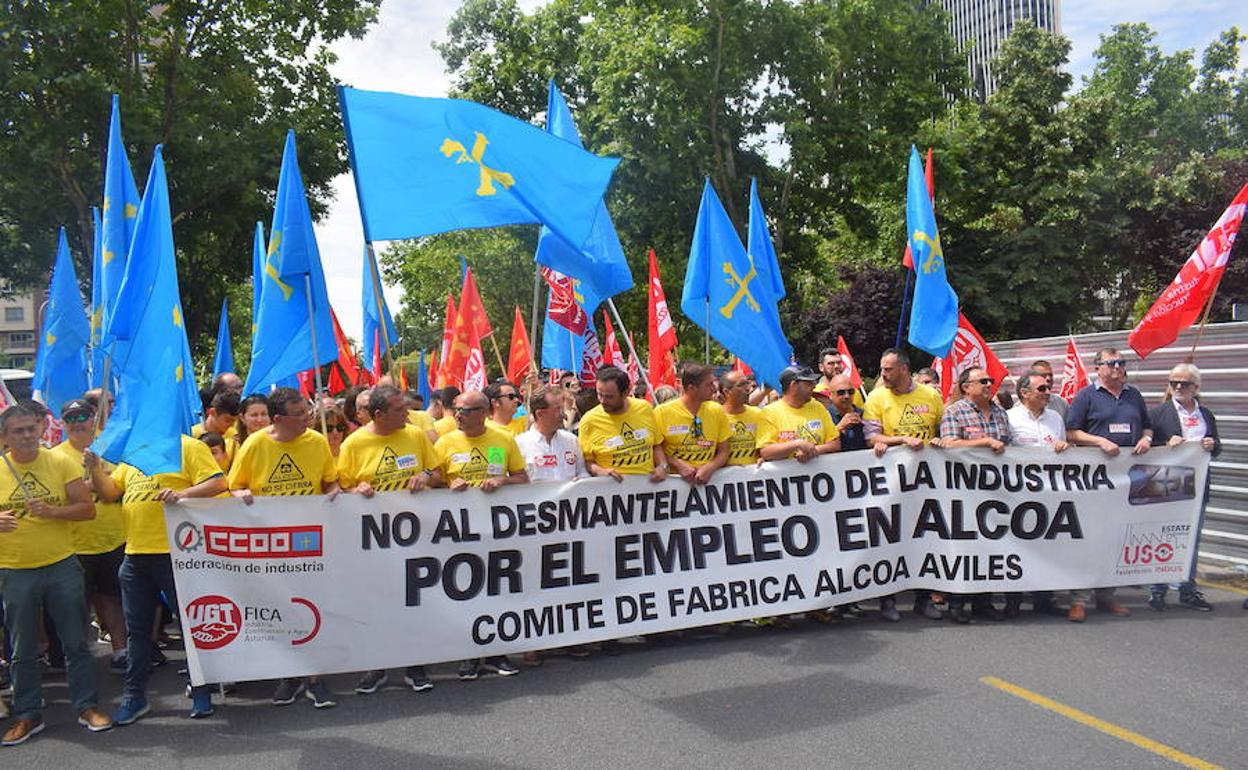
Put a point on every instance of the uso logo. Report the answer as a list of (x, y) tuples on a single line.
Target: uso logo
[(214, 621)]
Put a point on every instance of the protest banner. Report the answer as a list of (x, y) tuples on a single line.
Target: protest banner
[(292, 586)]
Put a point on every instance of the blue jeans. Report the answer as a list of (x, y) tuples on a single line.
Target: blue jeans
[(56, 588), (143, 577)]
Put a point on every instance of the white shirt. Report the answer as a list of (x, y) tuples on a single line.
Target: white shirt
[(1191, 423), (559, 459), (1030, 430)]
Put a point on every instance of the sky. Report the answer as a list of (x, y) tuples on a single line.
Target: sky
[(397, 55)]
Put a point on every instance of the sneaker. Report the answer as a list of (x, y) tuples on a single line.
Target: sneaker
[(888, 610), (371, 682), (469, 670), (287, 691), (320, 696), (929, 611), (118, 664), (500, 665), (852, 610), (1157, 602), (95, 720), (1113, 608), (1078, 613), (1195, 601), (416, 678), (24, 730), (130, 711), (201, 703), (158, 659)]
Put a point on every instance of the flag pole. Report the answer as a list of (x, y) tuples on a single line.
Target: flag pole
[(1200, 330), (905, 297), (17, 478), (316, 366), (381, 313), (632, 351), (99, 411), (534, 365), (707, 334), (501, 366)]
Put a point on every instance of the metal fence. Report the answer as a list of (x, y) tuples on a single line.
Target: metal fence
[(1223, 360)]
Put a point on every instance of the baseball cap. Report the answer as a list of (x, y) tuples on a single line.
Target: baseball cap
[(77, 406), (795, 374)]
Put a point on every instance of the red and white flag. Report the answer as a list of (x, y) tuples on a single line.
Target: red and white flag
[(591, 359), (969, 351), (851, 368), (662, 332), (564, 308), (474, 371), (611, 353), (448, 337), (1184, 299), (1074, 375)]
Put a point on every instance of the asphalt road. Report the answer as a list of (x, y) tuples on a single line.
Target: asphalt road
[(862, 693)]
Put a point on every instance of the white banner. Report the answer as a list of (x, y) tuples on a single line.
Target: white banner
[(294, 585)]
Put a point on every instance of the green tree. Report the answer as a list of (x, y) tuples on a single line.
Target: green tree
[(218, 83)]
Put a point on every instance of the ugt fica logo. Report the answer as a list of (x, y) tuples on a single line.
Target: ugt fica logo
[(214, 621)]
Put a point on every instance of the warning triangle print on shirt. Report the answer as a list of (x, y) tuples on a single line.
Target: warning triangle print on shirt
[(34, 488), (913, 423), (387, 464), (285, 470)]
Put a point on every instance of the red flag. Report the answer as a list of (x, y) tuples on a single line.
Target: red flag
[(464, 357), (907, 259), (307, 383), (346, 371), (944, 367), (432, 370), (1074, 375), (662, 332), (375, 365), (591, 359), (471, 304), (443, 377), (403, 381), (564, 309), (740, 366), (851, 368), (611, 353), (520, 357), (970, 351), (1184, 299)]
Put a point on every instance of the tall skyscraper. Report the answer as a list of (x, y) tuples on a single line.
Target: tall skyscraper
[(981, 26)]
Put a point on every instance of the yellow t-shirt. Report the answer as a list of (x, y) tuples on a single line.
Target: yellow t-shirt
[(445, 425), (493, 453), (267, 466), (809, 422), (518, 425), (420, 419), (37, 542), (916, 413), (145, 515), (385, 462), (622, 441), (743, 443), (231, 446), (108, 529), (685, 439)]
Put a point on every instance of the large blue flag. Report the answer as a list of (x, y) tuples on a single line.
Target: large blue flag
[(224, 360), (292, 267), (375, 343), (96, 315), (743, 314), (121, 207), (61, 364), (599, 263), (424, 166), (156, 397), (934, 312), (760, 246)]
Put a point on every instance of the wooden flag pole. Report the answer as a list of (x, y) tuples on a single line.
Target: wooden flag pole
[(381, 313), (534, 360), (99, 410), (502, 367), (1200, 330)]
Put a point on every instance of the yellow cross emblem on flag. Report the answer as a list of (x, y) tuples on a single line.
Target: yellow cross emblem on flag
[(488, 175)]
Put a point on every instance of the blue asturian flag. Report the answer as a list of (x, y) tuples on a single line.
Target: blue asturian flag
[(743, 313), (61, 364), (121, 207), (156, 397), (934, 312), (599, 263), (292, 303), (424, 166), (760, 246), (223, 362), (372, 326), (257, 278)]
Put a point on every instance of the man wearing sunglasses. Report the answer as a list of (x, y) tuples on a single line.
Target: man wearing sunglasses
[(1178, 419), (1056, 402), (386, 455), (504, 403), (694, 429), (743, 419), (1109, 415), (848, 416)]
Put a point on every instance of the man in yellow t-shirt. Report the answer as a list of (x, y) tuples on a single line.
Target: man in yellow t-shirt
[(743, 420), (423, 422), (100, 542), (795, 426), (147, 569), (901, 412), (694, 428), (287, 459), (620, 437), (504, 404), (41, 493), (446, 397), (221, 418), (485, 457)]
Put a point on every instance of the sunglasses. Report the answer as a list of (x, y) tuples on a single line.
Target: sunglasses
[(512, 396), (1176, 384), (77, 417), (468, 409), (1118, 362), (339, 427), (983, 380), (1043, 389), (844, 392)]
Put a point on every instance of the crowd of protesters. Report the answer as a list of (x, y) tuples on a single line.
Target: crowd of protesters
[(80, 537)]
